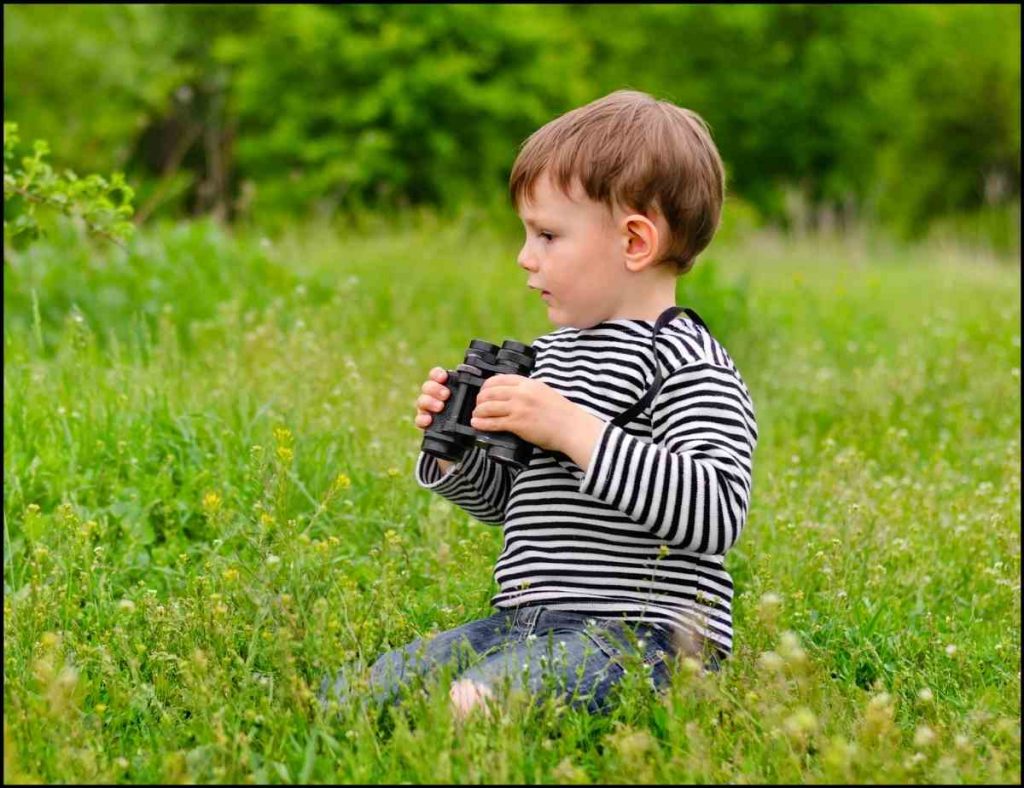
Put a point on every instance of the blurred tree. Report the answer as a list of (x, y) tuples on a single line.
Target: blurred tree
[(363, 106), (899, 114)]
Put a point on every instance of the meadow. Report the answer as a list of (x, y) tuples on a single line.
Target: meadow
[(209, 504)]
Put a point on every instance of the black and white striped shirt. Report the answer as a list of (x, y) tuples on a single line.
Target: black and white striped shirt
[(642, 535)]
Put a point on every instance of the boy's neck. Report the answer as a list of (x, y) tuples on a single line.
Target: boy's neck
[(648, 307)]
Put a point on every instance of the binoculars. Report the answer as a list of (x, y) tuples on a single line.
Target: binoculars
[(449, 434)]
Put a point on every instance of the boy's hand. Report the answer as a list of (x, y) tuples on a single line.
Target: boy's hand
[(529, 408), (433, 397), (431, 400)]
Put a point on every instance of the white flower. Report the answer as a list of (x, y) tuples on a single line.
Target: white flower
[(923, 736)]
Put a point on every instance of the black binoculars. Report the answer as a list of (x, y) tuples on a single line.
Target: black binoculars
[(450, 435)]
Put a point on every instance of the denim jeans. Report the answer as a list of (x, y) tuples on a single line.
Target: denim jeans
[(578, 656)]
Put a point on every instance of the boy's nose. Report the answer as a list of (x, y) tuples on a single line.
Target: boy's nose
[(525, 261)]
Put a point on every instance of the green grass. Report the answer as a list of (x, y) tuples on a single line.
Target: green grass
[(209, 504)]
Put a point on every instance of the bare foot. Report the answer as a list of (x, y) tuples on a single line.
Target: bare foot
[(466, 695)]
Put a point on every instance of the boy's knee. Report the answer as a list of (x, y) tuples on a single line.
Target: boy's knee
[(467, 695)]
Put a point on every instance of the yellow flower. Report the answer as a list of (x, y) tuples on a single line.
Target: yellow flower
[(342, 482), (285, 453), (211, 502), (231, 575), (282, 435), (393, 472)]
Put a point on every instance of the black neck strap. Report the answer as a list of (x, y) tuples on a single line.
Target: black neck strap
[(663, 319)]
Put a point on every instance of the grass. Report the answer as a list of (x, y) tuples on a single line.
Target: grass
[(209, 504)]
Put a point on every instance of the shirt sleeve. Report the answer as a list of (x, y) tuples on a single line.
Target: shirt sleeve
[(478, 485), (691, 486)]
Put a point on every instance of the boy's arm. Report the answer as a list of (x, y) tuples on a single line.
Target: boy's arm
[(476, 484), (691, 486)]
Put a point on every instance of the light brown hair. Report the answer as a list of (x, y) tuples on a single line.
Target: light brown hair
[(638, 152)]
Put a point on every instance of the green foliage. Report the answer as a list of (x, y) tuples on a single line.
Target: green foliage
[(354, 106), (197, 532), (895, 115), (105, 207)]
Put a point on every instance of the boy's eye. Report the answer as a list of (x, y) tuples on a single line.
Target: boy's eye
[(546, 236)]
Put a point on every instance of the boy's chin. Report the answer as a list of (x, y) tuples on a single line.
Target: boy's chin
[(561, 319)]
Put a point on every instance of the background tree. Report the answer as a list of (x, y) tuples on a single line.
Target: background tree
[(904, 116)]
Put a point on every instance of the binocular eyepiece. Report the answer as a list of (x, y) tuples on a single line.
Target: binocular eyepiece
[(450, 435)]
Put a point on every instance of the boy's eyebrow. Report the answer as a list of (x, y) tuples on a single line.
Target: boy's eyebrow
[(532, 221)]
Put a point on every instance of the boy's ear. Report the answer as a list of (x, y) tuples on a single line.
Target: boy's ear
[(642, 238)]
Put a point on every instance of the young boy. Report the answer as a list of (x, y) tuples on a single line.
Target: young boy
[(615, 534)]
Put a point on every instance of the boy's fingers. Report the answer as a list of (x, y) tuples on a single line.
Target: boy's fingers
[(439, 374), (426, 402), (436, 390)]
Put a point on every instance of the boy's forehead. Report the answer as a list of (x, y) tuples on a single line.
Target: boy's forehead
[(548, 202)]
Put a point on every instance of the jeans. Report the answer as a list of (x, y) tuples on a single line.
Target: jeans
[(578, 656)]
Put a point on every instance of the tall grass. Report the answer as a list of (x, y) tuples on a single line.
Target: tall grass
[(209, 505)]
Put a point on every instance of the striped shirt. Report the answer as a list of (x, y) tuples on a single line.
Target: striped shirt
[(643, 533)]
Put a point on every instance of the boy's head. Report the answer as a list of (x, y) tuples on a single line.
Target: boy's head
[(618, 198)]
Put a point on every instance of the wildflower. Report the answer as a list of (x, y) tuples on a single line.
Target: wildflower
[(950, 650), (769, 604), (770, 661), (393, 472), (567, 773), (342, 482), (879, 715), (801, 723), (285, 454), (923, 736), (230, 575), (126, 605), (282, 435), (211, 502), (789, 648), (840, 753), (273, 560), (99, 708), (925, 695)]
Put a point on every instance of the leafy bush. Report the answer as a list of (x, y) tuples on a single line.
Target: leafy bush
[(105, 207)]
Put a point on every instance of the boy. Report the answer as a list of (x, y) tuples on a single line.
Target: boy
[(615, 535)]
